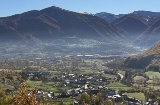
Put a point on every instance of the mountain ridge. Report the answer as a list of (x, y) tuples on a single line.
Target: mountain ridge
[(56, 22), (131, 24), (150, 35)]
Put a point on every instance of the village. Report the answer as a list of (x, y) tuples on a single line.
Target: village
[(71, 79), (91, 84)]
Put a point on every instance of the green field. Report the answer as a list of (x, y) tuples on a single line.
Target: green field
[(139, 96), (152, 74), (118, 86), (66, 101), (109, 76), (154, 87), (34, 83), (136, 78), (51, 86), (87, 71)]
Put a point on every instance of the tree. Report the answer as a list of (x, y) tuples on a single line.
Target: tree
[(158, 99), (61, 103), (84, 98), (22, 97), (107, 102), (10, 77), (127, 78), (24, 75)]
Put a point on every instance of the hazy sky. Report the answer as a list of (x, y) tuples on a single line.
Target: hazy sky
[(11, 7)]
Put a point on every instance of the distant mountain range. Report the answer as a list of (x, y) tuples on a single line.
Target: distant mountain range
[(147, 60), (146, 15), (54, 22), (141, 28)]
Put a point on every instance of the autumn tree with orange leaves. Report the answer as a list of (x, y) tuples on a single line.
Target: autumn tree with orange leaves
[(20, 97)]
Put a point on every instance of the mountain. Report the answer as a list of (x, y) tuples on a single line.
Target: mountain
[(132, 24), (149, 16), (150, 35), (143, 23), (54, 22), (108, 16), (147, 60)]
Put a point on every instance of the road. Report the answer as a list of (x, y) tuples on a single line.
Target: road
[(121, 75)]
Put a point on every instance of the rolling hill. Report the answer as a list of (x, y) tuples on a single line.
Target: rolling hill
[(147, 60)]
